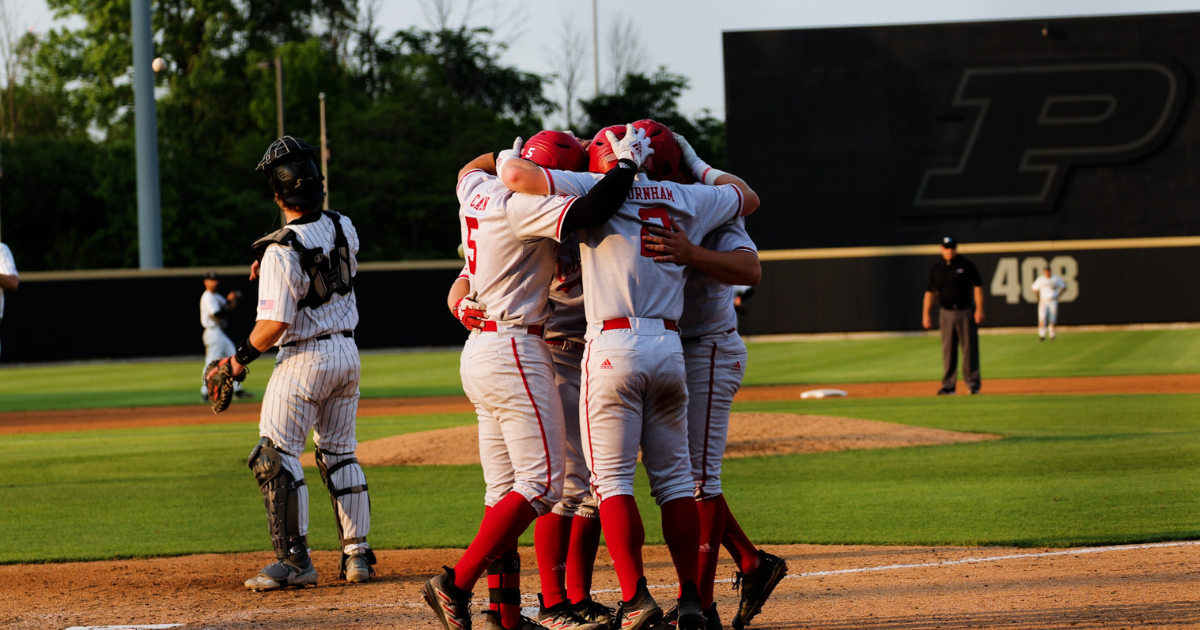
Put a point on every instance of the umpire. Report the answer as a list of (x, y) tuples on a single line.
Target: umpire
[(959, 289)]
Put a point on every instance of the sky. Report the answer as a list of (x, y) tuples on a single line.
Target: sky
[(685, 35)]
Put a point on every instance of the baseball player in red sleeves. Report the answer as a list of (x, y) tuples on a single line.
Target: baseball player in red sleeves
[(307, 307), (510, 246), (716, 361), (634, 381)]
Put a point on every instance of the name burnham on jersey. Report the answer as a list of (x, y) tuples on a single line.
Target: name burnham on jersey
[(284, 283), (620, 276)]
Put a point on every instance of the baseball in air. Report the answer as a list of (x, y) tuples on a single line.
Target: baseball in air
[(158, 64)]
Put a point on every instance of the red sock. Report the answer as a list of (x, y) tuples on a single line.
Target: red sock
[(551, 540), (681, 530), (581, 559), (501, 527), (712, 527), (622, 524), (504, 587), (744, 553)]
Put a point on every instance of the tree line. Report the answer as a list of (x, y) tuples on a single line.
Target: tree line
[(404, 112)]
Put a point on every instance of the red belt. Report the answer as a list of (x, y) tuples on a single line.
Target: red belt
[(565, 344), (490, 326), (698, 338), (623, 322)]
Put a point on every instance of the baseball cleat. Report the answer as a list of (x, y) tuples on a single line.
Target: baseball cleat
[(595, 612), (688, 610), (641, 611), (492, 622), (712, 621), (282, 575), (242, 395), (358, 569), (451, 604), (562, 616), (946, 392), (756, 586)]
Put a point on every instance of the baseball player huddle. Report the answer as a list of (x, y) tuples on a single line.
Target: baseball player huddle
[(598, 289), (599, 295)]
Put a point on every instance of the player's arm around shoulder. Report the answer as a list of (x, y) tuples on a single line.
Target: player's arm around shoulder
[(706, 174)]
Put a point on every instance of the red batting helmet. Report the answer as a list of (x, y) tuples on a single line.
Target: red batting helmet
[(600, 149), (555, 149), (664, 163)]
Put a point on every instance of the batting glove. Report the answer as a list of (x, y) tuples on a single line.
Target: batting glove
[(509, 154), (635, 146), (470, 313), (700, 170)]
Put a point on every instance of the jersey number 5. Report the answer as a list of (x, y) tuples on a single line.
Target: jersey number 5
[(469, 252), (653, 214)]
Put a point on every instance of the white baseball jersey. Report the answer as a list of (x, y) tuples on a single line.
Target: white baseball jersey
[(210, 304), (567, 322), (8, 267), (710, 302), (217, 345), (314, 385), (1048, 289), (620, 277), (509, 241), (283, 282)]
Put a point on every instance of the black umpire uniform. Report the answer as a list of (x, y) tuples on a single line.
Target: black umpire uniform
[(953, 282)]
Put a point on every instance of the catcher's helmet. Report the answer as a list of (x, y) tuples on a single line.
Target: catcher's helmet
[(664, 163), (557, 150), (600, 149), (292, 173)]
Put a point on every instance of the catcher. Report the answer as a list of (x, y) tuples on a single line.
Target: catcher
[(306, 306)]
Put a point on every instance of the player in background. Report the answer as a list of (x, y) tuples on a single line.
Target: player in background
[(307, 306), (716, 362), (214, 312), (635, 386), (9, 279), (1048, 287), (507, 371)]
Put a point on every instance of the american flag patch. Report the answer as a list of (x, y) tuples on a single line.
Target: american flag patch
[(266, 305)]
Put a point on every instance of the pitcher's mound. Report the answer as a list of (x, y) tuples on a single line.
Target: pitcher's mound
[(749, 434)]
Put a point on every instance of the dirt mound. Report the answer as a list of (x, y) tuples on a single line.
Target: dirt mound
[(749, 434)]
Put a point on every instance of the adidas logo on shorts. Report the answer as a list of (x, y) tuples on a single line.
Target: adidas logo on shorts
[(737, 366), (606, 365)]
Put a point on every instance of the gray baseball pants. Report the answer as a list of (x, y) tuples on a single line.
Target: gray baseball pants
[(959, 329)]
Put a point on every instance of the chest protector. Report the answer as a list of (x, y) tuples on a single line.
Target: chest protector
[(326, 274)]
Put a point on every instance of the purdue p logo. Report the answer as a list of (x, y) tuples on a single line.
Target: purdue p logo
[(1028, 124)]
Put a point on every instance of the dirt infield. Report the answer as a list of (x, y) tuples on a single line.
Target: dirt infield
[(133, 417), (830, 588)]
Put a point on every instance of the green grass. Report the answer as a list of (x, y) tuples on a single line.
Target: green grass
[(1073, 470), (1002, 356), (436, 373)]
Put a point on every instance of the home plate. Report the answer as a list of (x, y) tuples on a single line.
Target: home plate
[(823, 393), (156, 626)]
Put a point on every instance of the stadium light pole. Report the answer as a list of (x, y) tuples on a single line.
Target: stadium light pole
[(595, 51), (324, 152), (150, 255)]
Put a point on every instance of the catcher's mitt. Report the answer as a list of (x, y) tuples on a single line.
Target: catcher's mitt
[(219, 378)]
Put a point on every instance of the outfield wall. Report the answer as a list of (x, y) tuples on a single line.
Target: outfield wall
[(123, 314)]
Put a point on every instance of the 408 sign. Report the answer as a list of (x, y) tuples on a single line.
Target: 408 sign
[(1014, 278)]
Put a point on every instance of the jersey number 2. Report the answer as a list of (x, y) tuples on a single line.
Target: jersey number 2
[(653, 214), (472, 225)]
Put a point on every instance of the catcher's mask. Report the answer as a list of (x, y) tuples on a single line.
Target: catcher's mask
[(292, 173), (600, 149), (664, 162), (555, 150)]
